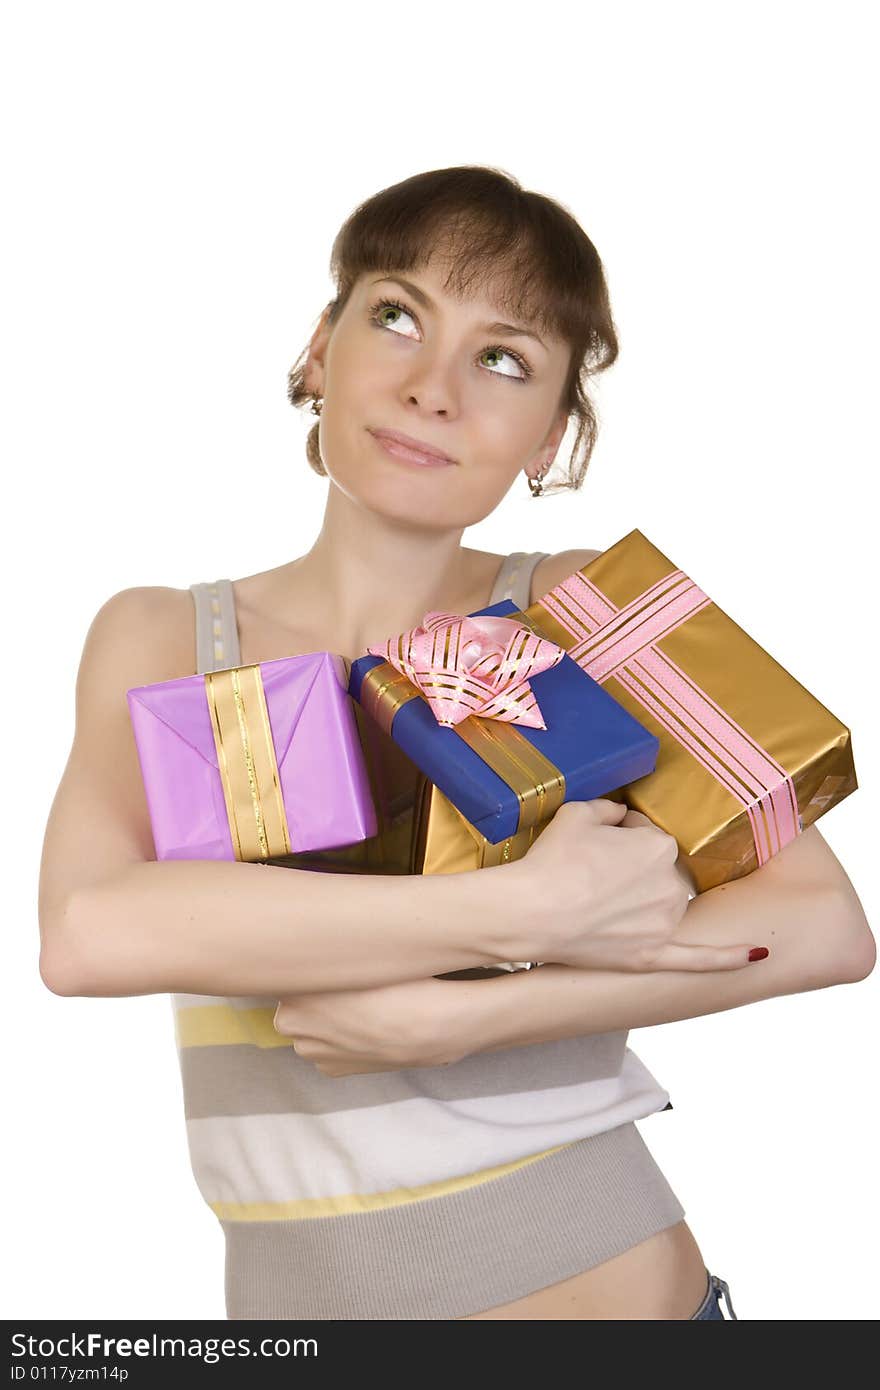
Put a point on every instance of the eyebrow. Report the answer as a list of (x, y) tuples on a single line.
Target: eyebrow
[(517, 330)]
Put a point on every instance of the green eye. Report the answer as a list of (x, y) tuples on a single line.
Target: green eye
[(377, 315), (393, 307)]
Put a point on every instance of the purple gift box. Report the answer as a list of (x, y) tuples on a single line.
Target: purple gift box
[(253, 762)]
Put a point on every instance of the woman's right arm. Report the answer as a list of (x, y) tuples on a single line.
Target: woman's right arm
[(114, 921)]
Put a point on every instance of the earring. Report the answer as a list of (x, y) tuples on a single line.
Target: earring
[(316, 405), (536, 485)]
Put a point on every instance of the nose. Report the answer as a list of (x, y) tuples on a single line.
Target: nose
[(432, 387)]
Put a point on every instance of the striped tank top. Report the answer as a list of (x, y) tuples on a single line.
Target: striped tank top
[(430, 1192)]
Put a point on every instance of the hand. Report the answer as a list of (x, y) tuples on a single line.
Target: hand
[(345, 1032), (605, 886)]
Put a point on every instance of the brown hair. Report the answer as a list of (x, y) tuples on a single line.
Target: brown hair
[(540, 264)]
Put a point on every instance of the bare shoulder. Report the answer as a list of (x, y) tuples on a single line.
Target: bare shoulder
[(137, 637), (554, 568), (147, 630)]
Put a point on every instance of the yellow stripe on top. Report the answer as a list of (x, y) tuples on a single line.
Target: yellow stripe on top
[(356, 1202), (221, 1025)]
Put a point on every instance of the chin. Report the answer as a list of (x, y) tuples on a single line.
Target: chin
[(406, 507)]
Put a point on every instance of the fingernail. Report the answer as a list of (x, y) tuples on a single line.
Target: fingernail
[(758, 953)]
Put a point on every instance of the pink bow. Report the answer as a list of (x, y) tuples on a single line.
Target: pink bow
[(481, 666)]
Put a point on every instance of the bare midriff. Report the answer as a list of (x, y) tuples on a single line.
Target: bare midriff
[(662, 1277)]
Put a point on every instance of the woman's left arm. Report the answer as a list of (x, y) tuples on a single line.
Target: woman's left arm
[(801, 904)]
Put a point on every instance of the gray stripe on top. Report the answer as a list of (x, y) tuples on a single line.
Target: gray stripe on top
[(217, 645), (460, 1253), (514, 579), (240, 1079)]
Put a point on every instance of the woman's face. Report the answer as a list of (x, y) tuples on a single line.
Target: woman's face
[(428, 366)]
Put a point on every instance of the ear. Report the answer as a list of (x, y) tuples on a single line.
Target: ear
[(556, 436), (313, 374), (544, 457)]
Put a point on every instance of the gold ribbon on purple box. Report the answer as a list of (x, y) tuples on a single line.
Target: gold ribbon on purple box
[(246, 762)]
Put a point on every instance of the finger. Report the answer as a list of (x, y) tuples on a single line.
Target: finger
[(285, 1019), (290, 1022), (677, 956), (636, 818), (605, 811)]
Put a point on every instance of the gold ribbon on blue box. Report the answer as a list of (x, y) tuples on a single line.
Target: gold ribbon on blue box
[(445, 842), (499, 718)]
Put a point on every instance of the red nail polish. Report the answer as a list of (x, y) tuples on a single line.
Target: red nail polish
[(758, 953)]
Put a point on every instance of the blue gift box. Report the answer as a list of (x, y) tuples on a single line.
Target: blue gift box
[(594, 741)]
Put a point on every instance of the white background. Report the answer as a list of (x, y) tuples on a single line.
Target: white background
[(175, 175)]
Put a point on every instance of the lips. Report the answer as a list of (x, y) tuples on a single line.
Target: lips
[(404, 445)]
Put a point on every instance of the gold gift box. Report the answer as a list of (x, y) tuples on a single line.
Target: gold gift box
[(748, 757), (445, 842)]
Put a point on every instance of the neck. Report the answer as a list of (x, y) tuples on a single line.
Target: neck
[(368, 576)]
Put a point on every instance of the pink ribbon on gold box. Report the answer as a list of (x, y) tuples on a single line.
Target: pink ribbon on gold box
[(742, 742)]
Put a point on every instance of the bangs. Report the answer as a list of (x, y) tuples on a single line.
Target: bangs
[(517, 254)]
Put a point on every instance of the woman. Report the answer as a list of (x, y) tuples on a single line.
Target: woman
[(378, 1142)]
